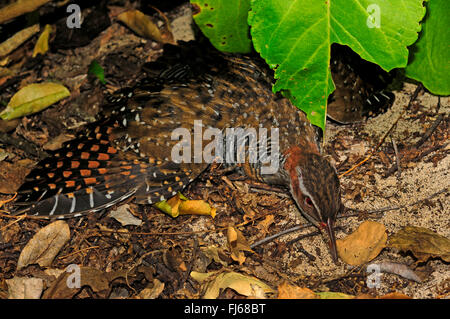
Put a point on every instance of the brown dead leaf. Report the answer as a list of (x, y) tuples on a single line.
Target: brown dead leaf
[(141, 24), (242, 284), (64, 287), (152, 293), (24, 288), (13, 175), (287, 291), (45, 245), (57, 142), (422, 242), (237, 244), (364, 244), (214, 253), (394, 295), (264, 225), (123, 216)]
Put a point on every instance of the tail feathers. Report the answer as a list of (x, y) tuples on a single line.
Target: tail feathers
[(74, 204)]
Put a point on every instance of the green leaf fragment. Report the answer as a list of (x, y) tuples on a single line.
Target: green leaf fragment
[(430, 60), (224, 22), (34, 98), (96, 69)]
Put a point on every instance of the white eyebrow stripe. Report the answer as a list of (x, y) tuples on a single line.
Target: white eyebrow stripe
[(305, 191)]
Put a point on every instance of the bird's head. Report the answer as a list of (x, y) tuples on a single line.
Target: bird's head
[(314, 185)]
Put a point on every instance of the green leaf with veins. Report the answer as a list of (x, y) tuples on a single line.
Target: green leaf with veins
[(430, 58), (296, 36), (224, 22)]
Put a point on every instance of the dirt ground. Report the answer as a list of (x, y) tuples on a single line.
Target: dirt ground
[(165, 250)]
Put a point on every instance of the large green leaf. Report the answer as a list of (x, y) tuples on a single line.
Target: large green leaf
[(430, 61), (224, 22), (295, 36)]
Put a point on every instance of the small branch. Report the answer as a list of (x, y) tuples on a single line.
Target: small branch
[(397, 159), (385, 209), (430, 130), (274, 236)]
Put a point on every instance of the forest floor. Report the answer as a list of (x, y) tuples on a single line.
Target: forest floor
[(408, 184)]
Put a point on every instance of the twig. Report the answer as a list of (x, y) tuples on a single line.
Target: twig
[(191, 264), (385, 209), (274, 236), (374, 151), (429, 151), (430, 130), (397, 159), (314, 233)]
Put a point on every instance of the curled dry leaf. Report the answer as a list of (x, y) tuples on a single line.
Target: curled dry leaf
[(180, 205), (422, 242), (152, 293), (24, 288), (264, 225), (141, 24), (34, 98), (242, 284), (364, 244), (214, 253), (41, 45), (45, 245), (17, 39), (287, 291), (237, 244)]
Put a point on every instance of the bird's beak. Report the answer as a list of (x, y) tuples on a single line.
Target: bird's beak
[(330, 231)]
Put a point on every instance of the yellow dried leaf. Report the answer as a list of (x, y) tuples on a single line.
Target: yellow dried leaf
[(141, 24), (41, 45), (287, 291), (242, 284), (17, 8), (334, 295), (364, 244), (237, 244), (196, 207), (179, 205), (17, 39), (422, 242), (34, 98)]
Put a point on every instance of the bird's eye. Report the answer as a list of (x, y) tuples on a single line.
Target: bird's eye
[(308, 201)]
